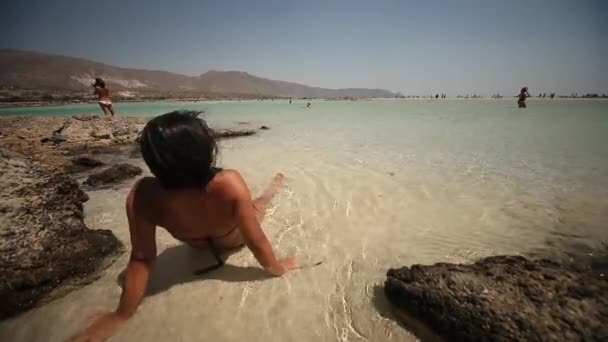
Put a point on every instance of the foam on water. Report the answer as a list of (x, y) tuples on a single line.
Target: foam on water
[(370, 185)]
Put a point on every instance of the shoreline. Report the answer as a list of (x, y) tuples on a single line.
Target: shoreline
[(35, 104)]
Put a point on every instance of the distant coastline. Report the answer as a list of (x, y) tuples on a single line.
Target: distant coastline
[(57, 103)]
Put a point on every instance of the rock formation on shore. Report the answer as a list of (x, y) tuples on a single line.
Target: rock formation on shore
[(43, 239), (55, 141), (504, 298)]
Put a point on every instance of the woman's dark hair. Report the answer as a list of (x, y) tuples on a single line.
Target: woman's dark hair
[(524, 89), (100, 83), (179, 148)]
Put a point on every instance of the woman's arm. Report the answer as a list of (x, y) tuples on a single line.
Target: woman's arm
[(143, 254), (255, 239)]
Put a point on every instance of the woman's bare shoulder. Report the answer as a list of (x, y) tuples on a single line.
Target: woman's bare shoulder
[(230, 182), (144, 189)]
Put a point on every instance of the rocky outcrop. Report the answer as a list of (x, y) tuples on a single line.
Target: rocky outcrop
[(114, 174), (54, 140), (504, 298), (43, 239), (91, 129)]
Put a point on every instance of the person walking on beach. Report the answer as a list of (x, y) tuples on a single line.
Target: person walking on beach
[(204, 206), (523, 94), (103, 95)]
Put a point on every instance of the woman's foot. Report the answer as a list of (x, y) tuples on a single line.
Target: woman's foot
[(274, 186)]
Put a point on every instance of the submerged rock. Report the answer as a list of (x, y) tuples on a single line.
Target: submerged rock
[(43, 239), (227, 134), (503, 298), (82, 163), (86, 161), (114, 174)]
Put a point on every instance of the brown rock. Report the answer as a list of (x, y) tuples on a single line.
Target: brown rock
[(86, 161), (503, 298), (43, 239), (82, 163), (227, 134), (114, 174)]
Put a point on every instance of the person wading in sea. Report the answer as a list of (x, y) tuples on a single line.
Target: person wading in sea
[(103, 94), (204, 206), (523, 94)]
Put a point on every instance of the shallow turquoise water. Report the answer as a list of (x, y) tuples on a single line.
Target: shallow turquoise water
[(369, 185)]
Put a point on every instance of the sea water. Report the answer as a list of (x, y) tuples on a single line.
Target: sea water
[(369, 185)]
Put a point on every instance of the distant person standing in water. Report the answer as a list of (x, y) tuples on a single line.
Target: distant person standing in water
[(308, 105), (523, 94), (103, 94)]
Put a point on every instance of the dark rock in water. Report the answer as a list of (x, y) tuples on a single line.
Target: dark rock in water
[(114, 174), (86, 161), (503, 298), (264, 127), (82, 163), (227, 134), (44, 242)]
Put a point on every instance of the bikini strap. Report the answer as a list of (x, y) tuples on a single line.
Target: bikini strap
[(218, 257)]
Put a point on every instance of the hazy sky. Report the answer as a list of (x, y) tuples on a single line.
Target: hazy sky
[(415, 47)]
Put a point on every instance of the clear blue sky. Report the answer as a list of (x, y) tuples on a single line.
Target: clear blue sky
[(415, 47)]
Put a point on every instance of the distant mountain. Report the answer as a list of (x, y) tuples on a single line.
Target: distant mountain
[(45, 72)]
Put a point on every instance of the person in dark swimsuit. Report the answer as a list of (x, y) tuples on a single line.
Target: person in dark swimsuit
[(197, 203), (523, 94)]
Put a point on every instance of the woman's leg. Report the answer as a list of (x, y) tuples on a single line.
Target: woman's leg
[(103, 108), (111, 110), (261, 203)]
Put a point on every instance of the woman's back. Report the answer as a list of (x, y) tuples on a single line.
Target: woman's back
[(102, 93), (189, 215)]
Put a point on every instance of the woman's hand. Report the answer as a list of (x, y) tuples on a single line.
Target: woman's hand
[(284, 265), (104, 325)]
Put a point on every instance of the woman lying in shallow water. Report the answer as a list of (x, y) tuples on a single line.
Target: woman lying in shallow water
[(197, 203)]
